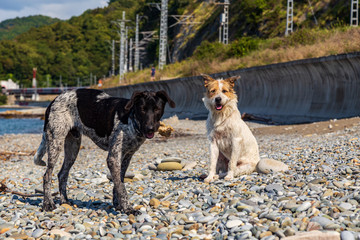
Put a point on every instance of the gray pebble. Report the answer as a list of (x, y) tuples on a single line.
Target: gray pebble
[(37, 233), (272, 187), (346, 235), (322, 221)]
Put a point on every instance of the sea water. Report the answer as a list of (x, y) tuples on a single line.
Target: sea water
[(20, 125)]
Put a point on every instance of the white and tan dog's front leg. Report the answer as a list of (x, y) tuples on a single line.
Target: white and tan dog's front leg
[(235, 157), (214, 155)]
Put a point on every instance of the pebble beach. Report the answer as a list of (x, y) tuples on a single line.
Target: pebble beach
[(318, 197)]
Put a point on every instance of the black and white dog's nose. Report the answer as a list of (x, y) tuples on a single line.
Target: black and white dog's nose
[(150, 129), (218, 99)]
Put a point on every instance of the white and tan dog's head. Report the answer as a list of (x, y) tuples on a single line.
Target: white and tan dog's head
[(219, 93)]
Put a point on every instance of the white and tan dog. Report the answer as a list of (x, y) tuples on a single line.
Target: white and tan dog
[(233, 148)]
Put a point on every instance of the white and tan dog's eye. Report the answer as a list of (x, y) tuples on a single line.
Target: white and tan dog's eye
[(212, 91), (224, 91)]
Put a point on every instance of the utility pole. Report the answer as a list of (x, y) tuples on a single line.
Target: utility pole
[(163, 33), (220, 28), (137, 52), (61, 86), (34, 85), (126, 51), (130, 55), (122, 48), (47, 80), (289, 17), (147, 36), (224, 23), (113, 58), (121, 25), (354, 17)]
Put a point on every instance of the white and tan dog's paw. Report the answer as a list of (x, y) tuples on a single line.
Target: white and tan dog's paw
[(229, 176), (211, 178)]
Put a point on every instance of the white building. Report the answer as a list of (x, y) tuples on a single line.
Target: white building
[(9, 84)]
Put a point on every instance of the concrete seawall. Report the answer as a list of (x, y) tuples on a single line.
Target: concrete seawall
[(293, 92)]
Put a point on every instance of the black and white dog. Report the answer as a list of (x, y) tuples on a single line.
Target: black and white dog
[(117, 125)]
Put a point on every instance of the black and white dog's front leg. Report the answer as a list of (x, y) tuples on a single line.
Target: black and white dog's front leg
[(122, 198), (118, 163)]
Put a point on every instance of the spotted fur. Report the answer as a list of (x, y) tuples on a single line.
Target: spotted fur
[(117, 125), (233, 148)]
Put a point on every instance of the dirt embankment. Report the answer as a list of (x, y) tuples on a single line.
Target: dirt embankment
[(309, 128)]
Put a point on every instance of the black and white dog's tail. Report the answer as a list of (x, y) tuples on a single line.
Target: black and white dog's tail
[(41, 152), (42, 148)]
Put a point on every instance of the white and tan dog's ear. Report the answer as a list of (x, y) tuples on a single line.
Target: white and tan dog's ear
[(231, 80), (207, 79)]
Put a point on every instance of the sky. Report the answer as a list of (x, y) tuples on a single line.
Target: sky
[(63, 9)]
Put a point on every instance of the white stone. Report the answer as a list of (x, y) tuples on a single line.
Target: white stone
[(189, 166), (99, 180), (233, 223), (59, 232), (314, 235), (303, 207)]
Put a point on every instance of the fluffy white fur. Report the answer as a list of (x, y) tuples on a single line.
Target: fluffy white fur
[(233, 148)]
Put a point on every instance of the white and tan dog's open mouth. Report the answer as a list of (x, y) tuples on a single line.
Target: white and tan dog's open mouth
[(218, 106)]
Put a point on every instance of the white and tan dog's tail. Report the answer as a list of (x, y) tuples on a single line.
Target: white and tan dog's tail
[(41, 152), (267, 165)]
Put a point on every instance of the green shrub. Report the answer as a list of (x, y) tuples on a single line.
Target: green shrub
[(243, 46), (302, 37), (3, 99), (210, 50)]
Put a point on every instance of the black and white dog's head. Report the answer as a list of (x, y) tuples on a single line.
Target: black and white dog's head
[(148, 108)]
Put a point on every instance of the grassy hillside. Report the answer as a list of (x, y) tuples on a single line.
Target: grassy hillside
[(11, 28), (215, 57)]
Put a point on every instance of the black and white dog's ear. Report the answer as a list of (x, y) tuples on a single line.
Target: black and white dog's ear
[(132, 100), (163, 95)]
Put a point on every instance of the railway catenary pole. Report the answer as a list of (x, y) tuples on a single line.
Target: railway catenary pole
[(354, 17), (289, 17), (131, 55), (122, 48), (126, 50), (113, 57), (224, 22), (163, 33), (137, 52)]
